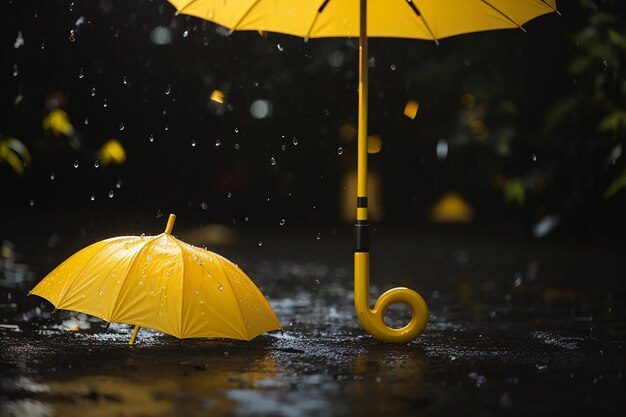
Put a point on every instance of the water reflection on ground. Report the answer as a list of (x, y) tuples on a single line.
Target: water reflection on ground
[(514, 328)]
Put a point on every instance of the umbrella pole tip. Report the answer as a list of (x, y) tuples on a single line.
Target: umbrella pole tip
[(170, 224)]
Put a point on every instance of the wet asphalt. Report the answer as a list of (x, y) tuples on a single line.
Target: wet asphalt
[(518, 326)]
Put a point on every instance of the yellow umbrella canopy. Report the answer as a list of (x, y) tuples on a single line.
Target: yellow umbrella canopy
[(414, 19), (161, 283)]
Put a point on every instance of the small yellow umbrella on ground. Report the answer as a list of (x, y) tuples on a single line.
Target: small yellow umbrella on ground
[(413, 19), (161, 283)]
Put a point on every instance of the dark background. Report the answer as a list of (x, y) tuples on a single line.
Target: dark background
[(519, 80)]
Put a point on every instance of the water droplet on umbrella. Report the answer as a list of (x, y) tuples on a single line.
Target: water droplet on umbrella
[(260, 243), (168, 272), (272, 161), (220, 288), (318, 236), (340, 150), (193, 143), (72, 35), (282, 222), (201, 301), (168, 90), (81, 74), (52, 175), (217, 143), (96, 163), (151, 138), (101, 293), (140, 283), (149, 257), (295, 141), (111, 193), (76, 164)]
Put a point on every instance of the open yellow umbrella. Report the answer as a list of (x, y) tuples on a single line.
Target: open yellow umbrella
[(161, 283), (415, 19)]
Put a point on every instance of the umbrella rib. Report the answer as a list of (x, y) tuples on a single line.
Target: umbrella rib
[(319, 11), (182, 9), (419, 14), (550, 6), (243, 16), (503, 14)]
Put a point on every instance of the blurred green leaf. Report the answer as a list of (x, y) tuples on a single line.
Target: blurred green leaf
[(618, 183), (613, 121), (515, 191), (559, 112)]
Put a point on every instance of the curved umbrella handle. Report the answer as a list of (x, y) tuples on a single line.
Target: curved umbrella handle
[(373, 319)]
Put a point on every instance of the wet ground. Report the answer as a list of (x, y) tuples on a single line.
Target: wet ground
[(518, 326)]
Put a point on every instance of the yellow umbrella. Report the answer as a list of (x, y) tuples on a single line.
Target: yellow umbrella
[(161, 283), (415, 19)]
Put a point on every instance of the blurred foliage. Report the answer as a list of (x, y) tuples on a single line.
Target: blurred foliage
[(15, 154)]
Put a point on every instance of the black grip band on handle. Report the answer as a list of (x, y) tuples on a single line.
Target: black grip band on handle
[(362, 235)]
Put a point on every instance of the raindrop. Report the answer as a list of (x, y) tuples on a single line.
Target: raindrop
[(280, 48), (168, 90), (236, 130), (166, 128), (125, 80), (76, 163), (151, 138), (193, 143), (93, 197), (111, 193), (236, 146), (442, 149), (86, 121), (31, 203), (220, 287), (185, 34), (261, 109), (272, 161), (340, 150), (246, 218), (534, 157), (317, 281), (229, 195), (283, 147), (105, 103), (161, 35), (118, 184), (393, 67), (121, 125), (260, 243), (15, 70), (19, 41), (96, 164), (217, 143), (93, 90), (204, 206), (159, 214), (81, 74), (605, 64), (72, 35), (295, 141), (318, 236), (282, 222), (52, 175)]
